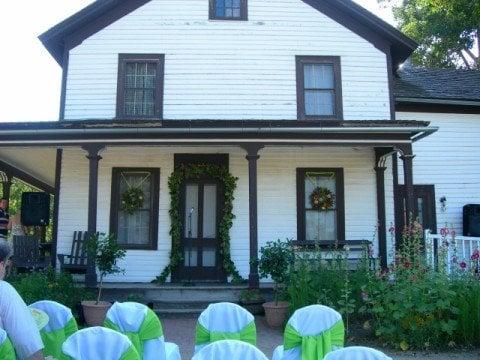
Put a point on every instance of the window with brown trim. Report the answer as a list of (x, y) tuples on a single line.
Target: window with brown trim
[(228, 10), (137, 229), (317, 223), (319, 87), (140, 86)]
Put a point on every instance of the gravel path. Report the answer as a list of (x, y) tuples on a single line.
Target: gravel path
[(181, 330)]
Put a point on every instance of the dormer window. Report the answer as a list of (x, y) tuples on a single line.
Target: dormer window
[(319, 89), (140, 86), (228, 9)]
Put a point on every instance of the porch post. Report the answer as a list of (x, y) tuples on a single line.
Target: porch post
[(380, 158), (6, 187), (252, 157), (56, 204), (93, 158), (407, 158)]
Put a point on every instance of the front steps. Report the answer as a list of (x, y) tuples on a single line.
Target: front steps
[(169, 299)]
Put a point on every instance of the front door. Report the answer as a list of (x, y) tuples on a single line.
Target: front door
[(201, 209), (424, 208)]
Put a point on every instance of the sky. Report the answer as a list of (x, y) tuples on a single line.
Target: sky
[(31, 78)]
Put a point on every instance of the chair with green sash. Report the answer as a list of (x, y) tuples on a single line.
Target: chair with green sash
[(357, 353), (61, 325), (224, 321), (144, 329), (229, 350), (6, 348), (99, 343), (311, 333)]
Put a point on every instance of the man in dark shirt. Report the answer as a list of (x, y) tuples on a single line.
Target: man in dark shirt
[(4, 217)]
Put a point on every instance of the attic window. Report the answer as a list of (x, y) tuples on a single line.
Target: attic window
[(140, 86), (228, 9)]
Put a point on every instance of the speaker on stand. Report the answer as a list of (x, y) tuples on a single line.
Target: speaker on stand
[(471, 220)]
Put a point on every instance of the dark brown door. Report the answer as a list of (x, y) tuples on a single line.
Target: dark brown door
[(201, 210), (424, 208)]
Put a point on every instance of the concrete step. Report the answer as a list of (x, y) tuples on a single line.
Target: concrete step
[(182, 304)]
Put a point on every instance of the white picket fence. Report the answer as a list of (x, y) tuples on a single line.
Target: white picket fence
[(454, 249)]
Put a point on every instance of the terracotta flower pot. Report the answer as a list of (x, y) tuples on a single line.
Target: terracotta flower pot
[(95, 313), (276, 314)]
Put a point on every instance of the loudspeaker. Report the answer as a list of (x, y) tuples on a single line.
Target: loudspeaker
[(471, 220), (35, 209)]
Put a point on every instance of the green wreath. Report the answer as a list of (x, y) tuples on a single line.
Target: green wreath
[(229, 183), (132, 200), (322, 199)]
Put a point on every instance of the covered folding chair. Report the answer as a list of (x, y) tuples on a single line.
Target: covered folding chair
[(6, 348), (144, 329), (61, 325), (357, 353), (99, 343), (229, 350), (311, 333), (224, 321)]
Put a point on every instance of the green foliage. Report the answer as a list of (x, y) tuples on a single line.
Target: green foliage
[(49, 285), (412, 306), (229, 184), (106, 252), (251, 295), (275, 260), (443, 28), (132, 200), (467, 301)]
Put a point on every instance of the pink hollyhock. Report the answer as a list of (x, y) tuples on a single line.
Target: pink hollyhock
[(475, 255), (463, 265)]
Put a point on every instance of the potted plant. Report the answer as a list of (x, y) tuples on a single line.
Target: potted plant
[(106, 252), (274, 262), (252, 300)]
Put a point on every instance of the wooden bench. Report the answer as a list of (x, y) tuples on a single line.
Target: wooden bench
[(76, 262), (27, 254)]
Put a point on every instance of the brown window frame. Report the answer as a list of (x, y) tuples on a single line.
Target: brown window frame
[(154, 206), (340, 203), (243, 12), (337, 74), (159, 59)]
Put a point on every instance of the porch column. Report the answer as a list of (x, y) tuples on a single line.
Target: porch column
[(252, 157), (93, 159), (6, 187), (407, 158), (380, 159), (56, 204)]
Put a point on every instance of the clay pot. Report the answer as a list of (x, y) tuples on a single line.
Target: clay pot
[(276, 313), (95, 313)]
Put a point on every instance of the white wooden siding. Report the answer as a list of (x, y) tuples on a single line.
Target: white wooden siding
[(227, 69), (450, 160), (277, 208)]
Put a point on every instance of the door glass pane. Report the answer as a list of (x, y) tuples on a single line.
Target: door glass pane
[(321, 225), (190, 256), (191, 211), (210, 211), (421, 218), (208, 257)]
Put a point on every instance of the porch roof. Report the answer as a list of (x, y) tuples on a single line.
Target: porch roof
[(211, 132)]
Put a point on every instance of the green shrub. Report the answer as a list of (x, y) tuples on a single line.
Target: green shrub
[(49, 285), (467, 301)]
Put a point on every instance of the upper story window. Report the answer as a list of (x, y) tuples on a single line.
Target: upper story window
[(228, 9), (140, 86), (319, 88)]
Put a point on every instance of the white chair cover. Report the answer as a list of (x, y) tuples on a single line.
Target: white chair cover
[(357, 353), (96, 343), (129, 317), (59, 315), (3, 336), (308, 321), (229, 350), (224, 317)]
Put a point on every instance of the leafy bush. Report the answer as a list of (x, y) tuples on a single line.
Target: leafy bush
[(467, 301), (412, 306), (49, 285)]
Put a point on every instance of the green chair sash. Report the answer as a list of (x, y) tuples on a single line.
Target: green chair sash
[(131, 354), (6, 350), (315, 347), (248, 334), (150, 329), (54, 340)]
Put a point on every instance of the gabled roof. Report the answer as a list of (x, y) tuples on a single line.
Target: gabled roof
[(455, 86), (101, 13)]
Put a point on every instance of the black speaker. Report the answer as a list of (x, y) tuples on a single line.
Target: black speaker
[(471, 220), (35, 209)]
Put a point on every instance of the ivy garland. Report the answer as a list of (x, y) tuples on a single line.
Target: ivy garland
[(322, 199), (229, 182)]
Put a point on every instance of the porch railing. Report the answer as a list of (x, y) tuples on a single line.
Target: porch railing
[(451, 250)]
